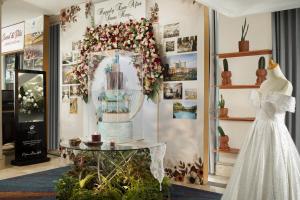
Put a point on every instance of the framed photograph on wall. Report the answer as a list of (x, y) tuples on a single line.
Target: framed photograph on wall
[(190, 93), (172, 90), (187, 44), (170, 46), (67, 75), (65, 90), (181, 67), (185, 110), (73, 105), (171, 30)]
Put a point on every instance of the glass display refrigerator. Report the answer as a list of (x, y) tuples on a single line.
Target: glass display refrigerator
[(11, 63)]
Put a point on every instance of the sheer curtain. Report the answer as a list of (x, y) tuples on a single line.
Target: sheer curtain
[(53, 105), (286, 52)]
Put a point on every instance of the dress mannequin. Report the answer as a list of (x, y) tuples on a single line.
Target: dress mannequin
[(268, 165), (276, 81)]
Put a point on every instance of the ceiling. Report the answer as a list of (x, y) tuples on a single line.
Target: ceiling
[(232, 8), (52, 6), (49, 7), (236, 8)]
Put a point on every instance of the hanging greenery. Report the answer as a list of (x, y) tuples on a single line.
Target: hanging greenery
[(134, 36)]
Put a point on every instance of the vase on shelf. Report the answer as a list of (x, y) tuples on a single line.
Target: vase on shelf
[(243, 45), (223, 140), (226, 78), (261, 72), (261, 76), (223, 113), (226, 74)]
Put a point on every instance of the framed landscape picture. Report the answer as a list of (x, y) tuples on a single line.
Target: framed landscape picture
[(185, 110), (181, 67)]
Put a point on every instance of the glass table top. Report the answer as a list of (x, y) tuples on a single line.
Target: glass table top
[(105, 146)]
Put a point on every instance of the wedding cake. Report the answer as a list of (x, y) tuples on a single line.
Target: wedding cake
[(115, 101)]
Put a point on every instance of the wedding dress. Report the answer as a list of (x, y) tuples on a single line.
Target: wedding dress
[(268, 166)]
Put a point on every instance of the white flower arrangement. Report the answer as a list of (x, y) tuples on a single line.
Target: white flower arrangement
[(31, 100)]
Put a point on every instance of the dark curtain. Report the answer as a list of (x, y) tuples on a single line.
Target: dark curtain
[(213, 64), (286, 52), (53, 106)]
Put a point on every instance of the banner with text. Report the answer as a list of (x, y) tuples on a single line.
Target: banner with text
[(116, 11), (13, 38)]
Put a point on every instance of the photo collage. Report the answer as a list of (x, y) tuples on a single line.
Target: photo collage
[(180, 65), (69, 83)]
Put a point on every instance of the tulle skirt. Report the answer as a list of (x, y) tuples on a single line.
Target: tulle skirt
[(268, 166)]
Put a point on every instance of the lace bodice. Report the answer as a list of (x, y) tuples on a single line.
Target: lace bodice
[(272, 106)]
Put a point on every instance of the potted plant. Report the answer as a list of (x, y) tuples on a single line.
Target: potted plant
[(244, 44), (223, 113), (223, 140), (261, 72), (226, 74)]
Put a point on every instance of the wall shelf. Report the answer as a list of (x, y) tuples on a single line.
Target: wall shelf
[(239, 86), (241, 119), (231, 150), (246, 53)]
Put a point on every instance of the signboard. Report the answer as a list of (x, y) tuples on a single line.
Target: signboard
[(34, 43), (116, 11), (12, 38)]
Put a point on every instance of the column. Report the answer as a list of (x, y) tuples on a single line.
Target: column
[(1, 152)]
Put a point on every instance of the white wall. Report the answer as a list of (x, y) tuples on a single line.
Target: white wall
[(183, 137), (14, 11), (243, 68)]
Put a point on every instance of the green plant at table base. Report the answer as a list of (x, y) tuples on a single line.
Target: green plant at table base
[(133, 182)]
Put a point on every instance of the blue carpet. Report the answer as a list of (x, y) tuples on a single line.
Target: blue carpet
[(44, 182), (37, 182)]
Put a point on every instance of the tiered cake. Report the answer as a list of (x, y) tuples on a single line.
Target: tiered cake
[(115, 102)]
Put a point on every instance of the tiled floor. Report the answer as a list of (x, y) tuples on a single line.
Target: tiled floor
[(13, 171), (56, 162)]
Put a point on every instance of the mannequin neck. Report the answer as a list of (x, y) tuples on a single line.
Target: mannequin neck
[(276, 73)]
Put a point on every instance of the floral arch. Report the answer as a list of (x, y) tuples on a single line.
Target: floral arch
[(136, 36)]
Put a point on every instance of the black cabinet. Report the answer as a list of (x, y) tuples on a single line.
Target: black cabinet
[(30, 107), (8, 116)]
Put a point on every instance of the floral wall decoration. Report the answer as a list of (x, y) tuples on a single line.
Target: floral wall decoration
[(88, 8), (154, 13), (68, 15), (192, 172), (135, 36)]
